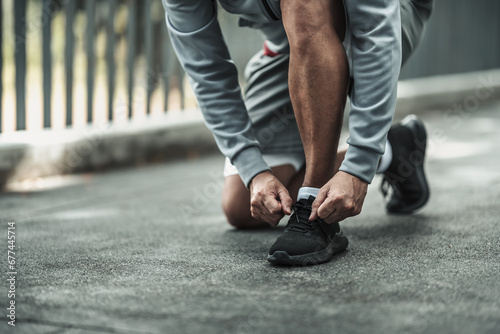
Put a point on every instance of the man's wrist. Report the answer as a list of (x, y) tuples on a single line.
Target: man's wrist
[(353, 176), (361, 162), (249, 163), (256, 178)]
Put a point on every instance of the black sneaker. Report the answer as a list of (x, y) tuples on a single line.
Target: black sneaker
[(306, 242), (404, 185)]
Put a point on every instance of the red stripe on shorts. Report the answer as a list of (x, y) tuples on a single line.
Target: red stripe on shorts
[(268, 52)]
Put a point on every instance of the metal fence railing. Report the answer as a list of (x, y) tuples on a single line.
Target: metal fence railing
[(67, 63), (61, 59)]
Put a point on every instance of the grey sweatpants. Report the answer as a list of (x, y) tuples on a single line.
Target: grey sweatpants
[(266, 94)]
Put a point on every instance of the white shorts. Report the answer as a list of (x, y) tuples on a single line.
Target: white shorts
[(297, 160)]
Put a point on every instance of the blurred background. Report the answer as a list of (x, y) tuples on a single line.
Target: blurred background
[(70, 63), (78, 74), (88, 86)]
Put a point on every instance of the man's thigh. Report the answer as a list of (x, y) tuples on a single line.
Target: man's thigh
[(268, 103)]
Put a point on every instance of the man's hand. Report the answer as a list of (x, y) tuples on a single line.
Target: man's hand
[(269, 199), (340, 198)]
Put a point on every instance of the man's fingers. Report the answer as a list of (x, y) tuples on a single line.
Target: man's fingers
[(337, 210), (270, 199), (272, 209), (264, 215), (327, 208), (316, 204), (277, 206), (286, 201), (334, 217), (272, 205), (274, 220), (270, 213)]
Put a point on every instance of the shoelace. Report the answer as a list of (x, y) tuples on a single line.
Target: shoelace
[(299, 221)]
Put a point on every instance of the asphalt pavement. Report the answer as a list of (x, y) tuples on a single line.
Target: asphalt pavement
[(147, 250)]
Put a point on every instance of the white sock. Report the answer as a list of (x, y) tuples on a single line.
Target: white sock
[(305, 192), (386, 159)]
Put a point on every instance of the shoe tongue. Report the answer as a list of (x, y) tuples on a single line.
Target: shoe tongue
[(299, 220), (302, 212), (302, 207), (306, 202)]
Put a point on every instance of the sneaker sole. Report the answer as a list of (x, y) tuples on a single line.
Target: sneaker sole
[(417, 128), (338, 244)]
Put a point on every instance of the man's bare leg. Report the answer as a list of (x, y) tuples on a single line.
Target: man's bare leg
[(298, 179), (318, 80)]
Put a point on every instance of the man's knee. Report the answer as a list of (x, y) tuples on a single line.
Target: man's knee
[(302, 19), (237, 211)]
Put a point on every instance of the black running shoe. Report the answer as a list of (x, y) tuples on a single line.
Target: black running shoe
[(306, 242), (404, 185)]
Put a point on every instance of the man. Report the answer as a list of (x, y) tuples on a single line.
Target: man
[(315, 53)]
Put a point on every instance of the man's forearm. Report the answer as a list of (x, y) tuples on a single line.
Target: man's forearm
[(376, 62), (214, 79)]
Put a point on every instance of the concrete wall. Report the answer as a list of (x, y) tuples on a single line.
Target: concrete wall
[(462, 36)]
